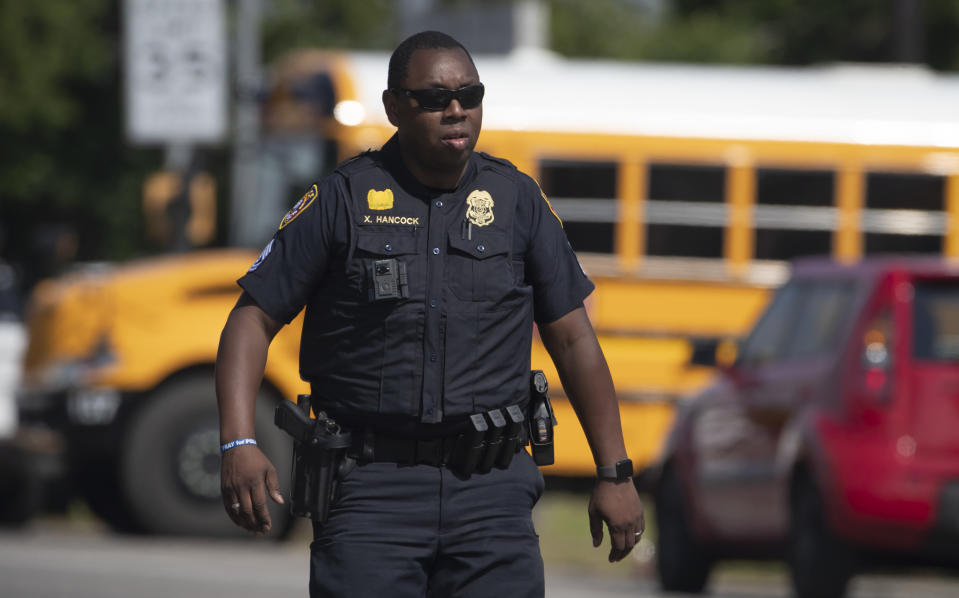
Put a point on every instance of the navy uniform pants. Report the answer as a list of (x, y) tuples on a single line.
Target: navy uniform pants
[(420, 531)]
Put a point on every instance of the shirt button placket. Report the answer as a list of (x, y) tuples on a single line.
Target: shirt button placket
[(432, 375)]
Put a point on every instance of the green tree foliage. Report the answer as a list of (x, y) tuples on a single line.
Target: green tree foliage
[(65, 165), (622, 30), (290, 24), (63, 161), (789, 32), (811, 31), (941, 34)]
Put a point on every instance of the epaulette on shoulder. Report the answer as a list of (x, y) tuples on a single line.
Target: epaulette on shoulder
[(359, 162), (502, 162)]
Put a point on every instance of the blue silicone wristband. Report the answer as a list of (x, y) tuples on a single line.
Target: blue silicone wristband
[(235, 443)]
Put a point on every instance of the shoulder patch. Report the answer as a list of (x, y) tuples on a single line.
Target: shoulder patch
[(266, 251), (298, 208)]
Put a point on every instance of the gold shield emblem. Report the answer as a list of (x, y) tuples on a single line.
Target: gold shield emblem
[(480, 207), (380, 200)]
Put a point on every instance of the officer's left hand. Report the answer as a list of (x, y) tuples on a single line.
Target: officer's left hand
[(618, 504)]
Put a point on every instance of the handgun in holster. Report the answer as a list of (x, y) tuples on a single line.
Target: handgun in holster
[(541, 419), (319, 457)]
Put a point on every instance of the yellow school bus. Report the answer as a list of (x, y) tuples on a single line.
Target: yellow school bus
[(684, 189)]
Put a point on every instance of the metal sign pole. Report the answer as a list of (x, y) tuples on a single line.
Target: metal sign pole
[(246, 122), (175, 56)]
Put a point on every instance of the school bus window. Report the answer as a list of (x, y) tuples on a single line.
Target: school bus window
[(894, 243), (904, 213), (905, 191), (779, 244), (592, 237), (584, 195), (785, 187), (794, 213), (685, 213), (687, 182)]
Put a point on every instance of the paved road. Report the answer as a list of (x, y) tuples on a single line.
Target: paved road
[(56, 560)]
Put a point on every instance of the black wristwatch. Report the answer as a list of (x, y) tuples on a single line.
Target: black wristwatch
[(622, 471)]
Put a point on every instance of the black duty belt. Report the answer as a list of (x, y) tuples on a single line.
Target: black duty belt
[(371, 447), (491, 442)]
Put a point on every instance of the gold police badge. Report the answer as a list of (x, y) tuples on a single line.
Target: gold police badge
[(380, 200), (480, 207)]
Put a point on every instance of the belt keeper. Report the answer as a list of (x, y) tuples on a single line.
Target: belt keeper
[(367, 452)]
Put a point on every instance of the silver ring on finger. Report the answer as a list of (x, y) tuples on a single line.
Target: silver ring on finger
[(235, 506), (638, 534)]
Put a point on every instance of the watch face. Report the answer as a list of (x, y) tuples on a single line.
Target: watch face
[(622, 470)]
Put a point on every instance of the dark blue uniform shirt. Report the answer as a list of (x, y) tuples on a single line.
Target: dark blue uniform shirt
[(471, 267)]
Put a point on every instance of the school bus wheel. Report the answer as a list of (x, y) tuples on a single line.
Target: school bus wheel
[(171, 463)]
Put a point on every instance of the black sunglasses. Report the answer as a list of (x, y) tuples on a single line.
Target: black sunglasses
[(437, 99)]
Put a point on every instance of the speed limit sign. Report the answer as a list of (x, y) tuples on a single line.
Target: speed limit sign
[(176, 59)]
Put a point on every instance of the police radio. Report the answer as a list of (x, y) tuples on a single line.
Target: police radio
[(541, 419)]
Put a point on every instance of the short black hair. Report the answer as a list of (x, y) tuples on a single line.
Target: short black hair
[(424, 40)]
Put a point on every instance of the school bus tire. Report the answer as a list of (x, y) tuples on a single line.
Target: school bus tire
[(170, 465), (21, 493), (98, 484)]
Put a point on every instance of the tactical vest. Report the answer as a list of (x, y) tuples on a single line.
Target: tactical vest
[(427, 313)]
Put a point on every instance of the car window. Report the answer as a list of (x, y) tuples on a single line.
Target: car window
[(823, 312), (936, 321), (769, 338)]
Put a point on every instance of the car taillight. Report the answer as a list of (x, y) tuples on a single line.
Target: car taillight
[(876, 359)]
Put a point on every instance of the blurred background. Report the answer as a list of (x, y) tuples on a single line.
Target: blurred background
[(692, 148)]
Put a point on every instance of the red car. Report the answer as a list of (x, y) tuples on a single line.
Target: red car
[(831, 439)]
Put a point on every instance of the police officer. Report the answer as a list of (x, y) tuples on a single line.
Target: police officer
[(422, 267)]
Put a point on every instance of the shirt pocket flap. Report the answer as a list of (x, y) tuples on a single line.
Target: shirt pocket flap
[(386, 244), (483, 245)]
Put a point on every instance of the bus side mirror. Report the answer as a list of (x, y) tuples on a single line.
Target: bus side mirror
[(727, 352)]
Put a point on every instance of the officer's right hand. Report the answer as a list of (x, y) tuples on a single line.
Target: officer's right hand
[(246, 478)]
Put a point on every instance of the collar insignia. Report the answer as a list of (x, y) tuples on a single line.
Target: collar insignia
[(380, 200), (480, 207), (299, 206)]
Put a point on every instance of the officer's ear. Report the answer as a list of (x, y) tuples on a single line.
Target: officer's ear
[(392, 107)]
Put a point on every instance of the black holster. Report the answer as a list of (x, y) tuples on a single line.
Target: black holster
[(319, 457)]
